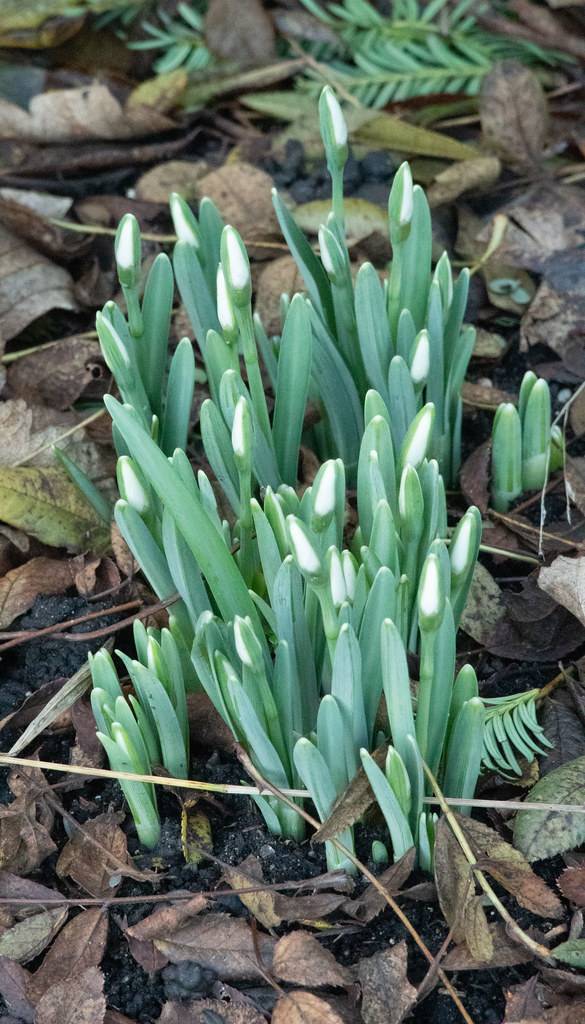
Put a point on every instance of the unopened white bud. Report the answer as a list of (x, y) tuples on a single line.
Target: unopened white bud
[(125, 243), (430, 594), (324, 491), (337, 578), (338, 124), (184, 229), (406, 202), (131, 486), (324, 250), (225, 310), (241, 645), (416, 445), (239, 269), (349, 574), (239, 432), (461, 546), (421, 360), (307, 558)]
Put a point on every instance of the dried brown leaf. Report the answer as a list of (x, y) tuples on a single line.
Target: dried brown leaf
[(571, 882), (456, 890), (163, 921), (82, 1002), (300, 959), (505, 953), (304, 1008), (96, 857), (14, 981), (564, 580), (20, 587), (79, 945), (351, 805), (535, 627), (56, 376), (475, 477), (244, 35), (25, 824), (30, 284), (563, 727), (371, 902), (484, 396), (484, 607), (242, 194), (225, 944), (27, 939), (202, 1011), (514, 114), (156, 184), (382, 974), (277, 277), (465, 176)]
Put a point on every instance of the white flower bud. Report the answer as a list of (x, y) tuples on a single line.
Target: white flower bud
[(242, 640), (305, 555), (184, 229), (461, 545), (336, 578), (417, 440), (421, 359), (324, 250), (430, 598), (125, 247), (131, 486), (324, 491), (406, 202), (337, 120), (225, 310), (349, 574), (239, 268), (240, 432)]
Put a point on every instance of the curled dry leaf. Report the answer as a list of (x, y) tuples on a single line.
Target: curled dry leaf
[(96, 857), (20, 587), (541, 834), (371, 902), (79, 945), (484, 396), (165, 920), (304, 1008), (564, 581), (156, 184), (381, 976), (475, 477), (28, 938), (300, 959), (534, 627), (456, 890), (225, 944), (514, 114), (25, 825), (80, 1003), (30, 284)]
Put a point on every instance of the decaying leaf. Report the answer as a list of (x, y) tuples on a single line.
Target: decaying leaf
[(478, 395), (96, 857), (20, 587), (242, 194), (351, 805), (563, 727), (261, 903), (25, 824), (514, 114), (202, 1011), (196, 837), (300, 959), (26, 939), (387, 995), (225, 944), (304, 1008), (30, 284), (541, 834), (475, 476), (183, 176), (564, 580), (57, 375), (534, 628), (75, 1001), (47, 505), (571, 882), (79, 945), (165, 920), (571, 952), (362, 218), (505, 953), (14, 981), (510, 869), (277, 277), (371, 902), (380, 129), (244, 35), (466, 176), (484, 607), (456, 890)]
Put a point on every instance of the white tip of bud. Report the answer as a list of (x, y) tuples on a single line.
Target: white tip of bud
[(324, 491), (225, 311), (238, 429), (349, 574), (337, 579), (131, 486), (406, 203), (338, 123), (417, 447), (239, 270), (111, 338), (241, 645), (125, 248), (429, 601), (324, 250), (184, 231), (307, 558), (461, 545), (421, 360)]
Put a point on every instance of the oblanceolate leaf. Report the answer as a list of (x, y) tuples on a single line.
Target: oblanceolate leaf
[(541, 834), (571, 952), (45, 504)]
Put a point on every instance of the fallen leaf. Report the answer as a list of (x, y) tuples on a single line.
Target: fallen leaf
[(371, 902), (555, 316), (313, 907), (183, 176), (387, 131), (71, 115), (564, 580), (484, 606), (80, 1002), (78, 946), (300, 959), (58, 374), (475, 476), (362, 218), (571, 952), (20, 587), (571, 882), (14, 981), (484, 396), (304, 1008), (575, 474), (534, 628), (47, 505), (488, 345), (280, 276), (206, 1011), (25, 824), (242, 35), (505, 953), (456, 891), (67, 693), (351, 805), (224, 944), (522, 1001), (96, 856), (465, 176), (563, 727), (514, 114), (30, 284), (165, 920), (541, 834), (196, 837), (260, 903), (28, 214), (382, 974), (510, 869), (242, 193), (27, 939)]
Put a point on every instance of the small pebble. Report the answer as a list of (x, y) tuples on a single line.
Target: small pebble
[(378, 166), (564, 395)]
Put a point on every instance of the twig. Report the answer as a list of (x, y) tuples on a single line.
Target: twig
[(535, 947)]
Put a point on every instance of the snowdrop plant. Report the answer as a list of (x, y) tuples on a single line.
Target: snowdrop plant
[(525, 448), (405, 337)]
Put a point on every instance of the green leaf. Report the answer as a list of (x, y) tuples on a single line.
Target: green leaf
[(571, 952), (390, 132), (540, 834), (45, 504), (294, 369)]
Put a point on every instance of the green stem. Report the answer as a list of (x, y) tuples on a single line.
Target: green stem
[(250, 352)]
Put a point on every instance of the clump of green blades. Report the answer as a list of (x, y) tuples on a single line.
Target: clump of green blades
[(525, 448), (294, 626)]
